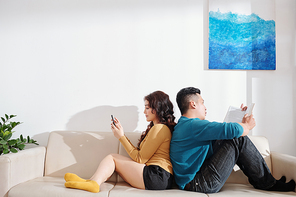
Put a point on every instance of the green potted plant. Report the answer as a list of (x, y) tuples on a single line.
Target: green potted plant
[(8, 145)]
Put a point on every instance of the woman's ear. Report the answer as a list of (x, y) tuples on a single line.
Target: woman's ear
[(153, 111)]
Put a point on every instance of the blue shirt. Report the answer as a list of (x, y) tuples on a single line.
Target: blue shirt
[(192, 142)]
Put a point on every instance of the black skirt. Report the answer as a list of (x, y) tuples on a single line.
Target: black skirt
[(156, 178)]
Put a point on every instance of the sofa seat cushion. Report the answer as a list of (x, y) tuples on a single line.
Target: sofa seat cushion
[(54, 186), (123, 189), (247, 190)]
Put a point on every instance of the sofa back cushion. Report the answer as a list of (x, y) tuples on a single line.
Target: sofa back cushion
[(78, 152)]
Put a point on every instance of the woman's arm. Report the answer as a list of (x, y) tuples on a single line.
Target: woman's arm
[(156, 136)]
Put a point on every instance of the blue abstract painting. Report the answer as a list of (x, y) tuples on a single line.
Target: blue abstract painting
[(240, 41)]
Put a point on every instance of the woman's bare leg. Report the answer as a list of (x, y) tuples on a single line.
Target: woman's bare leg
[(129, 170)]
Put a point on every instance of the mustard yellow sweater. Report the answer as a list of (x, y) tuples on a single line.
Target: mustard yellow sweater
[(154, 149)]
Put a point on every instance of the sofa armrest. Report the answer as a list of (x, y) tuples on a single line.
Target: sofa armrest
[(19, 167), (283, 165)]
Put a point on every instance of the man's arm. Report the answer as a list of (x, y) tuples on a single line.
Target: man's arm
[(248, 123)]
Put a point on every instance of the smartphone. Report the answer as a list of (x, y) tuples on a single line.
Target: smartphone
[(113, 120)]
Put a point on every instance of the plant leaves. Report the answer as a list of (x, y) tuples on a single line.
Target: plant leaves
[(21, 137), (5, 151), (8, 145), (12, 142), (13, 124), (4, 127), (7, 137), (13, 150), (21, 146), (3, 142)]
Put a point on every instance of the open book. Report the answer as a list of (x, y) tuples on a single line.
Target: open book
[(235, 114)]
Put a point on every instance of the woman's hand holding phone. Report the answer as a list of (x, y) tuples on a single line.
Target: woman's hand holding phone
[(116, 128)]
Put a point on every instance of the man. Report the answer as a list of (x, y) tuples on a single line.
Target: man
[(204, 153)]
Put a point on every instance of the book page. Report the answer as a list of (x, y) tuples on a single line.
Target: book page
[(235, 114)]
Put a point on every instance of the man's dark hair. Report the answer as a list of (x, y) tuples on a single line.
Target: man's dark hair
[(183, 97)]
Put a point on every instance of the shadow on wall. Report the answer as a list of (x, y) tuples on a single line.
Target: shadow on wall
[(69, 147), (41, 139), (99, 119)]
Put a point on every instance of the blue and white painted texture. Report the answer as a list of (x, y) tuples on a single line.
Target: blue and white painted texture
[(243, 42)]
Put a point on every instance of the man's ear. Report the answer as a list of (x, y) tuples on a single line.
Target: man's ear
[(192, 104)]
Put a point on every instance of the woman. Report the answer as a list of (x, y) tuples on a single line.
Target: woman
[(149, 166)]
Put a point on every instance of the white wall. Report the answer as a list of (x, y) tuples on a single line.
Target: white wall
[(68, 65), (274, 92)]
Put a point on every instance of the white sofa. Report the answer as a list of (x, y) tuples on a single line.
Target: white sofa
[(39, 171)]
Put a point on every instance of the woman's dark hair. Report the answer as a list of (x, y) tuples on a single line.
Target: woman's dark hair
[(183, 97), (163, 108)]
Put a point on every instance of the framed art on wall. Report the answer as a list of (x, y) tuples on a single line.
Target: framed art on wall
[(242, 35)]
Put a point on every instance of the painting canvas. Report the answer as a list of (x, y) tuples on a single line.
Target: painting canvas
[(242, 34)]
